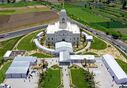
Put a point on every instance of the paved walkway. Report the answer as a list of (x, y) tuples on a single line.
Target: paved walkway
[(23, 83), (84, 49), (103, 78), (66, 78)]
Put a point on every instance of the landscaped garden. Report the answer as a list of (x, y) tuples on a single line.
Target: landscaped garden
[(7, 45), (42, 55), (27, 42), (98, 44), (86, 78), (51, 78)]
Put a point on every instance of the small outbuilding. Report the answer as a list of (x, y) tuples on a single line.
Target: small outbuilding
[(20, 67), (30, 59), (17, 72)]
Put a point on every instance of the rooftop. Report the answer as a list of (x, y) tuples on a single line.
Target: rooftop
[(118, 71), (51, 29)]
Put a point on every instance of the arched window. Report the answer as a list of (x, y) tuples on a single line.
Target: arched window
[(63, 20)]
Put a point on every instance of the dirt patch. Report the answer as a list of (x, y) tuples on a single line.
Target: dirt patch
[(12, 22)]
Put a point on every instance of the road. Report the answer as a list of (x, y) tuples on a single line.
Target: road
[(21, 32), (116, 42)]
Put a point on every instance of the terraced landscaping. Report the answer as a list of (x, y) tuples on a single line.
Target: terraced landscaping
[(107, 20)]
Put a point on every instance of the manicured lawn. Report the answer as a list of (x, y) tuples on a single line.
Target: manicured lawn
[(27, 42), (98, 44), (78, 78), (122, 64), (42, 55), (3, 71), (52, 79), (7, 45)]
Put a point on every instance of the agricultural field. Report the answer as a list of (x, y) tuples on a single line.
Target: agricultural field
[(20, 15), (21, 10), (107, 19), (19, 4)]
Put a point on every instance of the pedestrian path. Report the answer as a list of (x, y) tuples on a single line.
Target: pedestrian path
[(66, 78)]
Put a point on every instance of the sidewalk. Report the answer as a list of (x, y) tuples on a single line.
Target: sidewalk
[(66, 78)]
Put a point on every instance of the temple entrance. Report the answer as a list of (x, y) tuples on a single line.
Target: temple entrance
[(63, 39)]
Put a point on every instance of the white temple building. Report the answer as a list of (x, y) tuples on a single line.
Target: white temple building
[(62, 30)]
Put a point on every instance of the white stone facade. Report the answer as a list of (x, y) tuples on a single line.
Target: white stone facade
[(62, 30)]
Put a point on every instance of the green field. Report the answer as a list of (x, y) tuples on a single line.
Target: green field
[(122, 64), (20, 4), (27, 42), (79, 75), (7, 45), (104, 19), (52, 79), (23, 10), (3, 71), (42, 55), (98, 44)]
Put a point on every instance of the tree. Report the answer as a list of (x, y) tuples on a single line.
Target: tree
[(11, 1), (124, 3)]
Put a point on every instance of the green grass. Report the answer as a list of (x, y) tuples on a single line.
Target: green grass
[(78, 78), (104, 20), (52, 79), (7, 45), (27, 42), (42, 55), (122, 64), (98, 44), (3, 71)]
